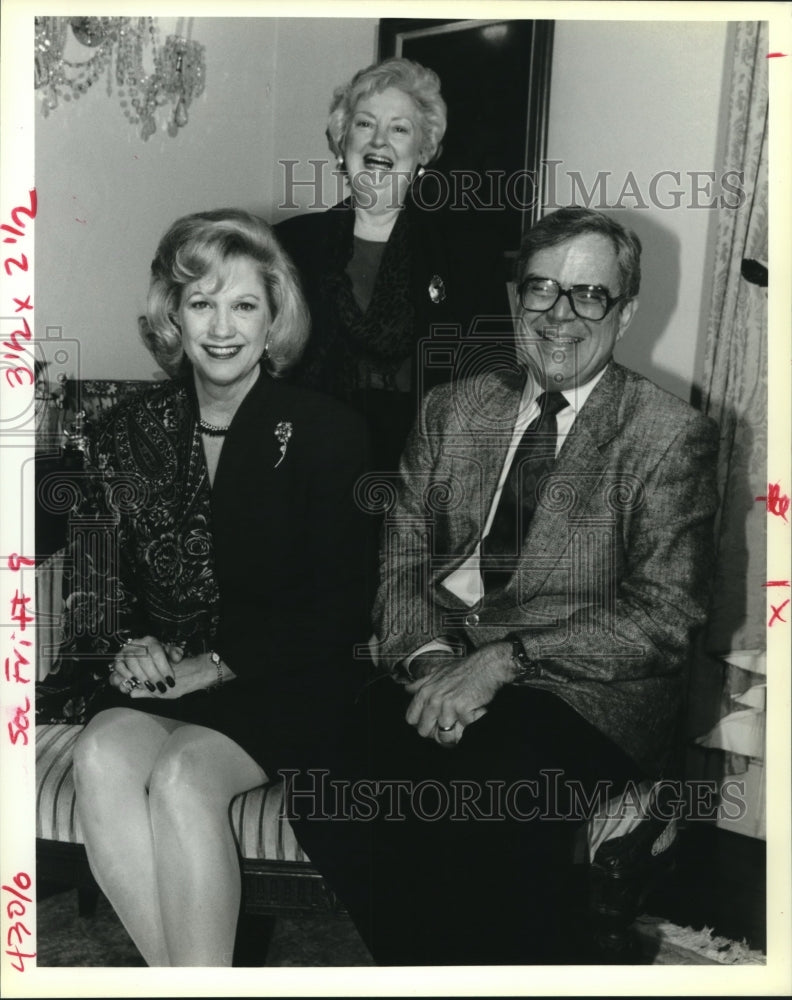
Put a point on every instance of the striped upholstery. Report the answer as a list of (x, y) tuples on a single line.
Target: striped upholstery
[(56, 817), (260, 830)]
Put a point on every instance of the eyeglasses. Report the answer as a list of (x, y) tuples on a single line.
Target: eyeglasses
[(586, 301)]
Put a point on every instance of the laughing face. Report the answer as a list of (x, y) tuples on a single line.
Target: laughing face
[(224, 318), (562, 349), (383, 148)]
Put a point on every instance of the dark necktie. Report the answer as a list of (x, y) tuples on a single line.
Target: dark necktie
[(533, 459)]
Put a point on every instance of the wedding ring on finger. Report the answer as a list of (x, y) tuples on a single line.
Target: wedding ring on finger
[(445, 729)]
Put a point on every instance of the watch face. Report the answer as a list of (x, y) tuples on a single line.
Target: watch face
[(525, 665), (519, 653)]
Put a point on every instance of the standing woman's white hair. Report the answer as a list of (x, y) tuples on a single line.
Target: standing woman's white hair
[(418, 82)]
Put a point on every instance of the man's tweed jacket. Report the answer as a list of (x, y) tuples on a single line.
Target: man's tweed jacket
[(614, 570)]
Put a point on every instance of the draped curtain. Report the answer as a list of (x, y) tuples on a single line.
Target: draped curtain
[(728, 681)]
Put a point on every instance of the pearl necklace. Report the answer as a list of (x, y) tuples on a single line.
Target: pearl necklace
[(212, 430)]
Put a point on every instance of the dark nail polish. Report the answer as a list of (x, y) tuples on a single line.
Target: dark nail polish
[(170, 681), (161, 687), (150, 686)]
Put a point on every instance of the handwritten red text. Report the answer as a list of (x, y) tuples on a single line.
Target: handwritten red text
[(16, 907), (777, 504), (16, 666), (21, 372)]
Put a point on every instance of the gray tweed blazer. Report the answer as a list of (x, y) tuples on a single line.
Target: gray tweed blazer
[(614, 570)]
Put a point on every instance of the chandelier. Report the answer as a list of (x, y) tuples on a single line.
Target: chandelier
[(177, 73)]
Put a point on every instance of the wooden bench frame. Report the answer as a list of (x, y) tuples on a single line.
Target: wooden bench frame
[(268, 887)]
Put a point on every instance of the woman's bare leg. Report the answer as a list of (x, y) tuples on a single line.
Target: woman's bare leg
[(113, 761), (197, 774)]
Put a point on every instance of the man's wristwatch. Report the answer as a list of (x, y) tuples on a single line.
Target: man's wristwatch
[(526, 667)]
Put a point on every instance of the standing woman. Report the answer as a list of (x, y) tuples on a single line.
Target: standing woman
[(230, 610), (382, 267)]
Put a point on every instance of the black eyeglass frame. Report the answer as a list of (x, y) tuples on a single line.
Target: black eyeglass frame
[(568, 292)]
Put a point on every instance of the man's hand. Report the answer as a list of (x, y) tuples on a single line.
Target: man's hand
[(456, 692)]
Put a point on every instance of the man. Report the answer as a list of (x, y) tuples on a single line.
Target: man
[(544, 563), (543, 567)]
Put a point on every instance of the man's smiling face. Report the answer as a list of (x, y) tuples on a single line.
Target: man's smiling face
[(564, 350)]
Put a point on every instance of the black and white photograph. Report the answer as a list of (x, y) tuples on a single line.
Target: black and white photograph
[(396, 489)]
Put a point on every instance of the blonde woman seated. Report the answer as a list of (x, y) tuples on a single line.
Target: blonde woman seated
[(229, 612)]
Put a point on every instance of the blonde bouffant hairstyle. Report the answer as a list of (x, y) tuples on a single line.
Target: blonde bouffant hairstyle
[(196, 245), (418, 82)]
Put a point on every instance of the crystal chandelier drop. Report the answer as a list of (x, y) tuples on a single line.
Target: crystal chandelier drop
[(177, 75)]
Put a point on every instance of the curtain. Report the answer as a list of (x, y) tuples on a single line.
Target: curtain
[(727, 695)]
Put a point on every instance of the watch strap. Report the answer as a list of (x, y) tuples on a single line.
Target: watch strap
[(526, 667)]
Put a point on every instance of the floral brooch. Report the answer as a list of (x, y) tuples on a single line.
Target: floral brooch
[(283, 433), (437, 290)]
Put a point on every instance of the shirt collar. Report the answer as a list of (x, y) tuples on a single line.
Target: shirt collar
[(575, 397)]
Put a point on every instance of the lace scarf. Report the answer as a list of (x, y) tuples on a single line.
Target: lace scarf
[(379, 339)]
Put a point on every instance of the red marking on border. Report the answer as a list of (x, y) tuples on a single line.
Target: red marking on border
[(777, 55), (15, 561), (776, 504), (777, 612), (776, 583), (15, 907)]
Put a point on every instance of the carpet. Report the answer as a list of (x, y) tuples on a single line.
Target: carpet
[(687, 946), (67, 940)]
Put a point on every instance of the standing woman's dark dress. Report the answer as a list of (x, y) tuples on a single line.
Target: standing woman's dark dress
[(266, 566), (388, 319)]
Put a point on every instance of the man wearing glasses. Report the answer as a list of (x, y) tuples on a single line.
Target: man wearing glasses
[(544, 566)]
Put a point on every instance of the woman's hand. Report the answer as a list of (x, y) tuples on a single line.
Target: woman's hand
[(191, 673), (145, 664), (148, 668)]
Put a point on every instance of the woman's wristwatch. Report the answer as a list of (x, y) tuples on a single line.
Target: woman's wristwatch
[(215, 658)]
